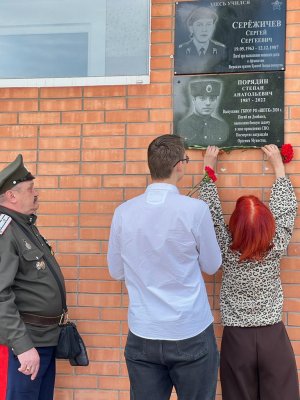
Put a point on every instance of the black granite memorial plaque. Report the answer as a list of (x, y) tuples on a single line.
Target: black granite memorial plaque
[(229, 36), (230, 110)]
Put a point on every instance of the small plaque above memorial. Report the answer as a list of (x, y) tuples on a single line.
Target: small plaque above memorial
[(230, 110), (229, 36)]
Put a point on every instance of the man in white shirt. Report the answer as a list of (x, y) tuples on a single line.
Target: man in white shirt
[(159, 243)]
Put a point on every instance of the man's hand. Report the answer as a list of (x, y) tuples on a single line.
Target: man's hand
[(30, 363), (210, 157)]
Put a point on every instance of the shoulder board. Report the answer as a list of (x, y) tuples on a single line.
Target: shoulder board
[(5, 220), (184, 44), (218, 43)]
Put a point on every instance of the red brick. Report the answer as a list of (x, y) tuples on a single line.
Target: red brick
[(102, 168), (58, 208), (19, 144), (94, 234), (161, 23), (61, 92), (60, 233), (82, 117), (102, 195), (18, 93), (60, 130), (61, 105), (149, 102), (121, 181), (58, 169), (102, 207), (104, 91), (81, 246), (150, 90), (103, 142), (161, 63), (126, 116), (158, 50), (39, 118), (103, 129), (8, 118), (161, 10), (103, 155), (18, 105), (92, 260), (58, 195), (59, 156), (115, 103), (20, 131), (164, 128), (95, 394)]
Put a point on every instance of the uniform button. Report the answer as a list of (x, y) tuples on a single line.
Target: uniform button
[(205, 123), (205, 137)]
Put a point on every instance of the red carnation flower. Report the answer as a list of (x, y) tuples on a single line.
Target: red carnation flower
[(287, 153), (211, 173)]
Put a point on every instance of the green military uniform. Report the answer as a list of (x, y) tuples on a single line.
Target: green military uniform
[(26, 283)]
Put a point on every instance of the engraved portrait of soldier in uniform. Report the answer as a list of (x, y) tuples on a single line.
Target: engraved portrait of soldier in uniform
[(229, 36), (203, 126), (201, 53)]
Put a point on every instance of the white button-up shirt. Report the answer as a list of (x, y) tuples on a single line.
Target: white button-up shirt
[(159, 243)]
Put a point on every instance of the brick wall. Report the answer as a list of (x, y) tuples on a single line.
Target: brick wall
[(87, 146)]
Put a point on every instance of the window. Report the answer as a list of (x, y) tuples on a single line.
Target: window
[(74, 42)]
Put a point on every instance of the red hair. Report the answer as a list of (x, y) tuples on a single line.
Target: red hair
[(252, 227)]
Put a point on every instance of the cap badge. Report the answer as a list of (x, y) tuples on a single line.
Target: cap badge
[(209, 88)]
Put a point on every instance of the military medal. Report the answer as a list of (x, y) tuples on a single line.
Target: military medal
[(40, 265)]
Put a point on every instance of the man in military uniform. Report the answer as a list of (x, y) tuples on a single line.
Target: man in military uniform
[(30, 299), (201, 53), (201, 128)]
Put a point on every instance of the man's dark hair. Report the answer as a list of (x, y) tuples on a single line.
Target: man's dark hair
[(163, 153)]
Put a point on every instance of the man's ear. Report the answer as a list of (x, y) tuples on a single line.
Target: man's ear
[(179, 167), (10, 196)]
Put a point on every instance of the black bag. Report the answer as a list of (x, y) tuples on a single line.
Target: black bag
[(82, 358), (68, 344), (71, 346)]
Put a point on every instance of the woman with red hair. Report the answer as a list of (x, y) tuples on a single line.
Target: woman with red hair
[(257, 359)]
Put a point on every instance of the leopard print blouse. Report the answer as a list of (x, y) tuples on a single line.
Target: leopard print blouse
[(251, 291)]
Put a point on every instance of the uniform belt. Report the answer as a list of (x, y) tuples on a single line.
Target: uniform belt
[(40, 320)]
